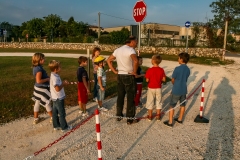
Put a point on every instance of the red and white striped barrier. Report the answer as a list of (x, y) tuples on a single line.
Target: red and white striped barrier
[(99, 144), (200, 118), (202, 99)]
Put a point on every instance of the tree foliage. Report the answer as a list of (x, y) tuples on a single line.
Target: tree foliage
[(226, 10)]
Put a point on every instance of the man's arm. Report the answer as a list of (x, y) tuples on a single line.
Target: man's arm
[(135, 63), (110, 59)]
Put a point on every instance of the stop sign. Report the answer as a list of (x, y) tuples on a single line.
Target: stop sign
[(139, 11)]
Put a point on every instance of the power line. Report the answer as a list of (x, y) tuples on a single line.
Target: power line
[(116, 17)]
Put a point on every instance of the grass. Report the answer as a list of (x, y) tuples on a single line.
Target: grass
[(17, 81)]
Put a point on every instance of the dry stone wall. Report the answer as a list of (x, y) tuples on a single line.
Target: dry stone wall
[(200, 52)]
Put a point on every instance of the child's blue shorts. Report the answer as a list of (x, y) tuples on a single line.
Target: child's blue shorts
[(175, 98)]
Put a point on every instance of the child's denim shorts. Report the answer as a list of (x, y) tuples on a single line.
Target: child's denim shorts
[(175, 98), (101, 94)]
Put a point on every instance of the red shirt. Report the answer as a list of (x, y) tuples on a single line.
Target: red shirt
[(155, 76)]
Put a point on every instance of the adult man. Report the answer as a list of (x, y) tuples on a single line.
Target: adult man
[(127, 69)]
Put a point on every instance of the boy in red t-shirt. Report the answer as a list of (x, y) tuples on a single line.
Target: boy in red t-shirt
[(155, 76)]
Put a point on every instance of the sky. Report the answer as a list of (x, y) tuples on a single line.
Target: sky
[(112, 12)]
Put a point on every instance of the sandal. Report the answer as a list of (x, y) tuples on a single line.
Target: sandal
[(149, 118), (158, 118)]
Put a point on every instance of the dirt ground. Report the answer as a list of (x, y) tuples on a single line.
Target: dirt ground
[(218, 139)]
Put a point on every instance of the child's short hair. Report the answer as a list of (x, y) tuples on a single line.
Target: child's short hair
[(36, 58), (139, 57), (53, 64), (184, 56), (82, 59), (157, 59)]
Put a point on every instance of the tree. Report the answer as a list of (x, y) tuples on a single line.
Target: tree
[(198, 33), (226, 10), (119, 37), (52, 23), (16, 31), (227, 17), (35, 27)]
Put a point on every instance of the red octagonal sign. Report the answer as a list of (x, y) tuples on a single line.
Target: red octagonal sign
[(139, 11)]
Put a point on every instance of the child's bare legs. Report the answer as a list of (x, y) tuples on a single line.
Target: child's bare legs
[(171, 113), (158, 114), (150, 114), (80, 105), (100, 103), (84, 108), (182, 111), (35, 115)]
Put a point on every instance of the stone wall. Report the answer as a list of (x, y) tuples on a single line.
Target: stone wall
[(200, 52)]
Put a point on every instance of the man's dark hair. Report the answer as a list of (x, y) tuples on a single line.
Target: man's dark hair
[(184, 56), (131, 38)]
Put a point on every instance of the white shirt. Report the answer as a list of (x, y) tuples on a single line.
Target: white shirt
[(55, 80), (124, 61), (102, 73)]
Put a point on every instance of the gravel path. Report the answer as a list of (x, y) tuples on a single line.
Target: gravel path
[(218, 139)]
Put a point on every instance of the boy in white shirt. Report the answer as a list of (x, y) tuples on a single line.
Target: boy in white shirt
[(58, 95)]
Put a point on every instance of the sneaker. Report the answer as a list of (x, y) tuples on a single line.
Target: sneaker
[(95, 99), (37, 120), (85, 114), (176, 119), (68, 129), (51, 120), (102, 109), (58, 128)]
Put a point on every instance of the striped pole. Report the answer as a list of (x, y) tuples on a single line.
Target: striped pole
[(99, 144), (200, 118), (202, 99)]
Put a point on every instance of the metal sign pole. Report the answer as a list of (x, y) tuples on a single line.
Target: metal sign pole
[(187, 42), (139, 38)]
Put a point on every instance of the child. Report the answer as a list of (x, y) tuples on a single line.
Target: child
[(83, 85), (139, 80), (155, 76), (41, 94), (179, 80), (101, 83), (95, 54), (58, 95)]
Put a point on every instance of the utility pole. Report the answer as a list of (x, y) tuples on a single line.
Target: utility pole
[(225, 38), (99, 28)]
